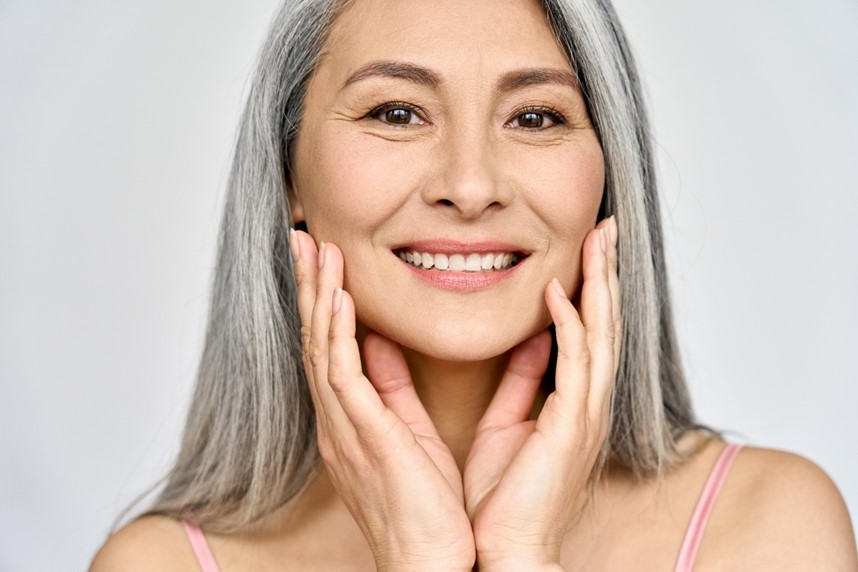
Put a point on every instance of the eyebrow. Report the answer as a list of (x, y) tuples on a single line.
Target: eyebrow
[(518, 79), (510, 81), (400, 70)]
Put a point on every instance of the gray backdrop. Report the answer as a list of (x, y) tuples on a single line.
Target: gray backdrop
[(116, 121)]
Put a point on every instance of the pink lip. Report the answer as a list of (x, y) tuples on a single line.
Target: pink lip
[(461, 281), (444, 246)]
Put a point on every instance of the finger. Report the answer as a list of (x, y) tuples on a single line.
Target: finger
[(391, 379), (329, 278), (513, 400), (597, 317), (305, 265), (359, 401), (572, 374), (614, 284), (305, 261)]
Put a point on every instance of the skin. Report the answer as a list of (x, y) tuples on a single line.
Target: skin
[(480, 155), (438, 452), (461, 169)]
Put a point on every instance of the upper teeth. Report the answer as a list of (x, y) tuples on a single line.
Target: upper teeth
[(473, 262)]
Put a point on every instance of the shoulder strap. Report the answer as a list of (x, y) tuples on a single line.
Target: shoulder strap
[(201, 547), (697, 526)]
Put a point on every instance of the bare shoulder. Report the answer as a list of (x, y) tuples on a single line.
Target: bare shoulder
[(781, 511), (147, 543)]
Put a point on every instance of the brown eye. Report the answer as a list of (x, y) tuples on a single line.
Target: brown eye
[(536, 119), (398, 116), (531, 120)]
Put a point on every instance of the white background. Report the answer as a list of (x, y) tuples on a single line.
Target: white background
[(116, 123)]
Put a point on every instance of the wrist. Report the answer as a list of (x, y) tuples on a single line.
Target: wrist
[(537, 561), (518, 565), (422, 565)]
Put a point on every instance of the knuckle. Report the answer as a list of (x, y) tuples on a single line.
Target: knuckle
[(582, 356), (300, 274), (316, 354), (335, 335), (337, 381), (306, 336)]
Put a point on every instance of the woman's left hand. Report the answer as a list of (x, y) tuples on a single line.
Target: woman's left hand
[(523, 478)]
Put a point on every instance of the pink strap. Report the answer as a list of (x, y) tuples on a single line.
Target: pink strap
[(697, 526), (201, 547)]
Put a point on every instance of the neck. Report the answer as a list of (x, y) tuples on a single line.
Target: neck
[(455, 395)]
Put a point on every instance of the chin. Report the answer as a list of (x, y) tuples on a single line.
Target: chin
[(463, 339)]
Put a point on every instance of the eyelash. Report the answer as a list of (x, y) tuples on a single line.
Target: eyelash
[(555, 116), (377, 112)]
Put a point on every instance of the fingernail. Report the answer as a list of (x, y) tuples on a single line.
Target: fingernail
[(321, 254), (338, 299), (613, 230), (294, 245), (557, 287), (603, 240)]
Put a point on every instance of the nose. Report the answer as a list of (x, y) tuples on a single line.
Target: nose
[(468, 182)]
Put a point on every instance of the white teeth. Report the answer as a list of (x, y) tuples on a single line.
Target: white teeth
[(457, 262), (441, 261), (473, 262)]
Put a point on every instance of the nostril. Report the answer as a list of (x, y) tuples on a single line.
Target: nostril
[(446, 202)]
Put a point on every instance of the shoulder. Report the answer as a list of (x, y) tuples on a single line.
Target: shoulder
[(147, 543), (781, 511)]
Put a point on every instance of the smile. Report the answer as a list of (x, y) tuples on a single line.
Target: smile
[(460, 262)]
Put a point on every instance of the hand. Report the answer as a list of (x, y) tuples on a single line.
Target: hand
[(379, 446), (523, 478)]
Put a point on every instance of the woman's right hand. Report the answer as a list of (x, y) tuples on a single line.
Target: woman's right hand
[(381, 449)]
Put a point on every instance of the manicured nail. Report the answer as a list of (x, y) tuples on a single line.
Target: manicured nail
[(338, 299), (603, 240), (294, 245), (613, 230), (321, 254), (557, 287)]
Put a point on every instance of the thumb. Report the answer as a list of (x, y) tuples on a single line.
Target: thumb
[(388, 372), (517, 391)]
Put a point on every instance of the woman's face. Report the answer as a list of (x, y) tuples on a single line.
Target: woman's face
[(453, 128)]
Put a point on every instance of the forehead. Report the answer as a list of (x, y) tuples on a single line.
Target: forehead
[(465, 36)]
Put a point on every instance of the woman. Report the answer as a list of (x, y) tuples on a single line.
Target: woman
[(485, 356)]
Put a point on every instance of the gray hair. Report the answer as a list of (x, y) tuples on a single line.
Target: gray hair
[(249, 444)]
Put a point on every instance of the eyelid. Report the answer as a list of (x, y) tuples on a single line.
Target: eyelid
[(377, 111), (553, 114)]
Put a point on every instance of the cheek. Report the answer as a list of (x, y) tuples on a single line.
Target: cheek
[(352, 185), (568, 197), (576, 183)]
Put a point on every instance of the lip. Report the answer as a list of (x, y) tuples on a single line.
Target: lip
[(445, 246), (461, 281)]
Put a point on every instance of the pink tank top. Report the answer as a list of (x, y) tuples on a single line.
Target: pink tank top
[(687, 553)]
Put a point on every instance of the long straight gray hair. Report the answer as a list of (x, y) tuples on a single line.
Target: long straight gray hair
[(249, 444)]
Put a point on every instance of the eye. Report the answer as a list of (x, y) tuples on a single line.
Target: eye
[(536, 118), (397, 114)]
